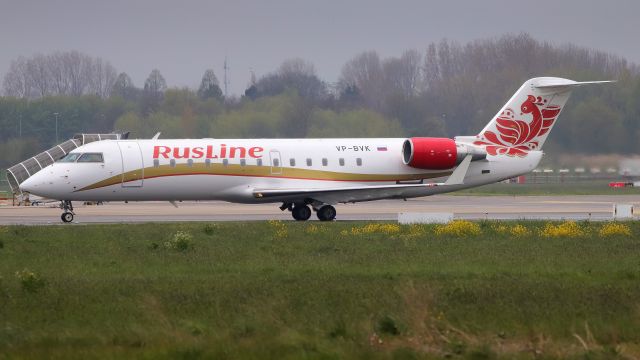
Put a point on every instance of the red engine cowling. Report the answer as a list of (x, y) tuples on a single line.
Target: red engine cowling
[(430, 153)]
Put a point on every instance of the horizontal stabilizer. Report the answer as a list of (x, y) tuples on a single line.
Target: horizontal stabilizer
[(546, 83)]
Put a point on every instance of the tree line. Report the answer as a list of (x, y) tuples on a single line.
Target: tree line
[(446, 89)]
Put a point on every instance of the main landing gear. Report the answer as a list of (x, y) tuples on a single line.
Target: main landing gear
[(302, 212), (326, 213), (67, 215)]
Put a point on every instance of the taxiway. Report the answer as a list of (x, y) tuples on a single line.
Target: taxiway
[(594, 207)]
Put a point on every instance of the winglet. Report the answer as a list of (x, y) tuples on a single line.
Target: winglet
[(457, 177)]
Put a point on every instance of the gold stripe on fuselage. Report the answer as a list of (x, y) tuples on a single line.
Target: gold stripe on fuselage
[(255, 171)]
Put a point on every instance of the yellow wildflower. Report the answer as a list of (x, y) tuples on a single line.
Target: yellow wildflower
[(614, 229), (460, 228)]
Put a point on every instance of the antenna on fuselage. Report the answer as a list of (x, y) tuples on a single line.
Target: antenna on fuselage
[(156, 136)]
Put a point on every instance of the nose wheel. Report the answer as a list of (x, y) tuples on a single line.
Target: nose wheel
[(67, 215)]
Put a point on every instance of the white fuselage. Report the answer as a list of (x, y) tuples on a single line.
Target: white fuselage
[(232, 169)]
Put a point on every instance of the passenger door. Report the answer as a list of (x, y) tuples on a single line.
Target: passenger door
[(132, 164), (276, 163)]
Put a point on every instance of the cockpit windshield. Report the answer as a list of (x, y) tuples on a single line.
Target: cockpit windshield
[(71, 157), (90, 158), (82, 158)]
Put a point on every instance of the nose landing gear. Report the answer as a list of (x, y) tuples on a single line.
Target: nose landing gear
[(67, 215)]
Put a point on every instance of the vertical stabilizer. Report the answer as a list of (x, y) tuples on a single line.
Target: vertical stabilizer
[(525, 121)]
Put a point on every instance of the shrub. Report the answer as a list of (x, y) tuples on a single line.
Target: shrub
[(460, 228), (614, 229), (565, 229), (210, 229), (180, 241), (388, 326), (30, 281)]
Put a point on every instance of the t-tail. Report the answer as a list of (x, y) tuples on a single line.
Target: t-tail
[(525, 121)]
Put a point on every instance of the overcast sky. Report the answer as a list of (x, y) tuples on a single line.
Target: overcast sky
[(182, 38)]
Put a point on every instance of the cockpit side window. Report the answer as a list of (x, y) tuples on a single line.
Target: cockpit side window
[(71, 157), (91, 158)]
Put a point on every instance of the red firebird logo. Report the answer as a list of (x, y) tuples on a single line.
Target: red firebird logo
[(517, 137)]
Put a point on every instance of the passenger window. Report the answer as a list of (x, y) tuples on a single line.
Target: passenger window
[(156, 163), (309, 162), (359, 161), (71, 157), (225, 162), (341, 161), (276, 162), (325, 162), (172, 162), (259, 162), (243, 162), (190, 163), (207, 162), (292, 162)]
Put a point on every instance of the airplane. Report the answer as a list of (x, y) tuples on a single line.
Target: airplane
[(309, 174)]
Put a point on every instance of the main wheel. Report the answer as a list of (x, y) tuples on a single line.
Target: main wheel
[(66, 217), (326, 213), (301, 212)]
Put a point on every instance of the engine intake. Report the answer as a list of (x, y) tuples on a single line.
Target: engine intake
[(437, 153)]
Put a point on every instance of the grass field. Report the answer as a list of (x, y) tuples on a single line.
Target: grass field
[(332, 291), (576, 188)]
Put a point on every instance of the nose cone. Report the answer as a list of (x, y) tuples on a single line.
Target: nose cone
[(28, 185), (36, 184)]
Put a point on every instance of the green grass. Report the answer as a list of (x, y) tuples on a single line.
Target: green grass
[(579, 188), (291, 290)]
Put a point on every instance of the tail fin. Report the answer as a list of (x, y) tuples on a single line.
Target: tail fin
[(525, 121)]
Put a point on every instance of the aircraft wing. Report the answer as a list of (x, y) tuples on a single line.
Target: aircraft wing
[(365, 193), (343, 194)]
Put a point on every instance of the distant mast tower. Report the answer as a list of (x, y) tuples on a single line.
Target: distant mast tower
[(226, 79)]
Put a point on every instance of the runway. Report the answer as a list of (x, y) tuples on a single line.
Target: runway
[(593, 207)]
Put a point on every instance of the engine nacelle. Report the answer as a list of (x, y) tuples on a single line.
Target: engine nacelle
[(437, 153)]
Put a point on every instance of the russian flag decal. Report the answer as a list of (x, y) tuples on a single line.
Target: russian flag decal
[(382, 148)]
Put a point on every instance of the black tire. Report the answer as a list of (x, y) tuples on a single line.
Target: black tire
[(66, 217), (326, 213), (301, 212)]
